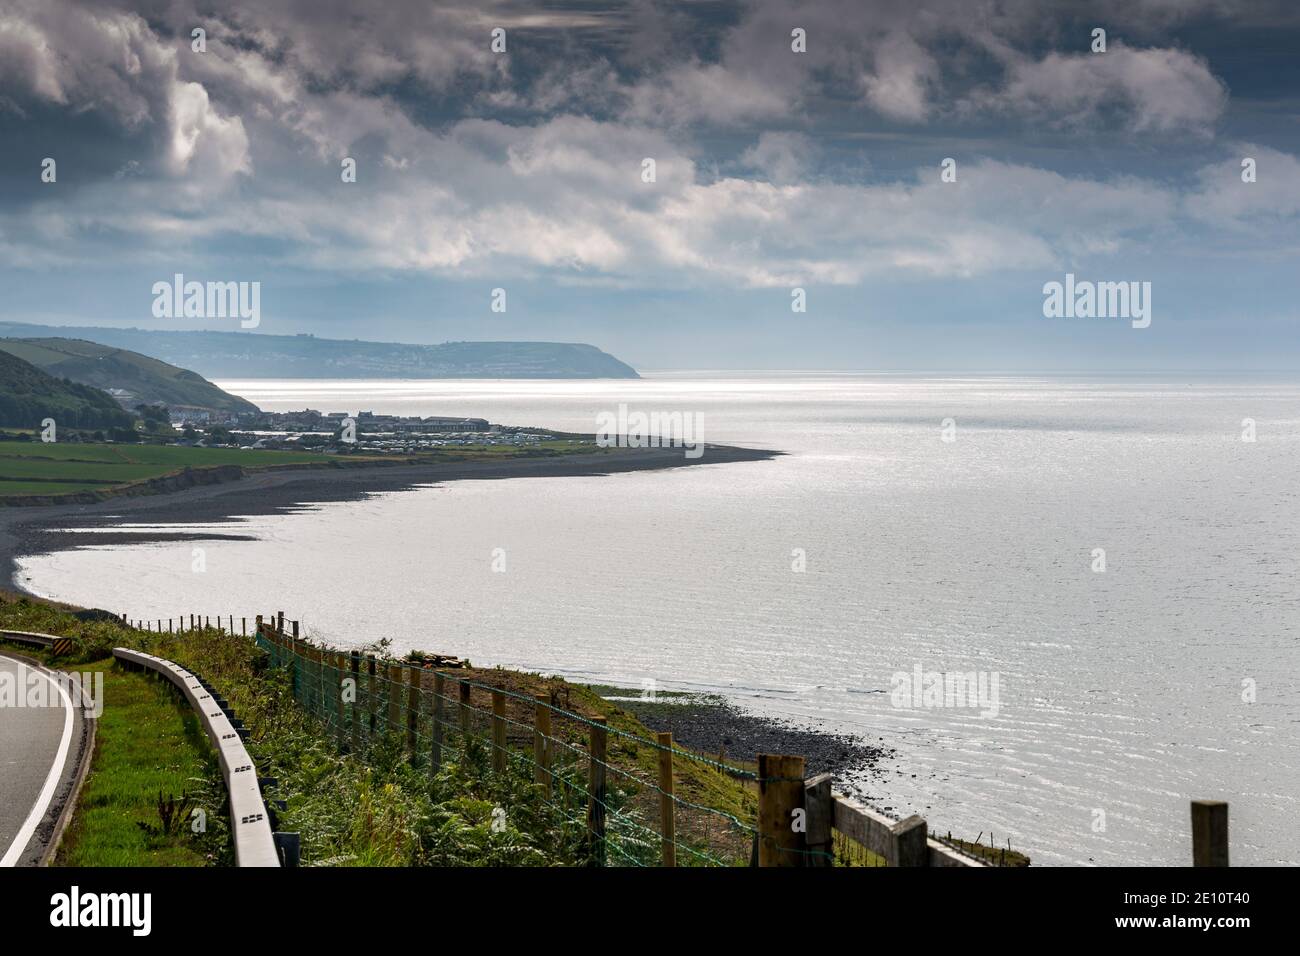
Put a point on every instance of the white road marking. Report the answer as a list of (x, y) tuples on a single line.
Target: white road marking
[(51, 781)]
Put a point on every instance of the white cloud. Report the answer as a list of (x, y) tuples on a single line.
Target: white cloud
[(202, 140), (711, 93), (903, 73), (1223, 199), (783, 157), (1154, 90)]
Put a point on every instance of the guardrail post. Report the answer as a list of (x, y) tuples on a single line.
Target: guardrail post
[(820, 818), (596, 787), (1209, 833), (435, 755), (498, 731), (290, 848), (541, 746), (355, 664), (780, 794), (667, 822), (414, 676)]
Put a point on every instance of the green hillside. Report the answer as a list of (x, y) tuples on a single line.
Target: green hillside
[(258, 355), (29, 395), (147, 381)]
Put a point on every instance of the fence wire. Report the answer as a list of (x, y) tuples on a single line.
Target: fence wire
[(615, 809), (614, 804)]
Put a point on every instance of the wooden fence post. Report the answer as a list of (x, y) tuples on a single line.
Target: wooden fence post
[(340, 708), (1209, 833), (667, 821), (908, 842), (414, 676), (315, 697), (354, 659), (394, 688), (541, 745), (819, 819), (279, 617), (596, 787), (372, 704), (323, 683), (243, 627), (780, 794), (435, 754), (464, 710), (498, 731)]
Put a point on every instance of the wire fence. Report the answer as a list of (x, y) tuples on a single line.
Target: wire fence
[(640, 802), (620, 798)]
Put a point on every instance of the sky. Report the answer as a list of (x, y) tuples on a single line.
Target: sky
[(775, 169)]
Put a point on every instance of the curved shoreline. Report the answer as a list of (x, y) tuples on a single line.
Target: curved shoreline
[(33, 529)]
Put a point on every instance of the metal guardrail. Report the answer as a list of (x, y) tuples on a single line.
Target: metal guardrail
[(27, 637), (59, 645), (249, 822)]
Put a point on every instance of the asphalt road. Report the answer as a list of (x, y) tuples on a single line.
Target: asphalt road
[(38, 753)]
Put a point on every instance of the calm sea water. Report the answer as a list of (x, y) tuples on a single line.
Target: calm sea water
[(1120, 693)]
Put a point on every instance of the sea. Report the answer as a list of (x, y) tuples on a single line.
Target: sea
[(1071, 604)]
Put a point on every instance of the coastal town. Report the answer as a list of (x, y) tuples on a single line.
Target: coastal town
[(335, 432)]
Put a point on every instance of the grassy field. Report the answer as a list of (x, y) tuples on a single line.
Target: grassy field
[(30, 468), (149, 747)]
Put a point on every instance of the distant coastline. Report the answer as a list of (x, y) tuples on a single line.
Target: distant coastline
[(34, 530), (216, 354)]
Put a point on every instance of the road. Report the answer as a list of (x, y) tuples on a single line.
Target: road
[(39, 752)]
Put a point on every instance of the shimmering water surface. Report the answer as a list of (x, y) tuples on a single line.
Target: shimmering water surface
[(1120, 693)]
